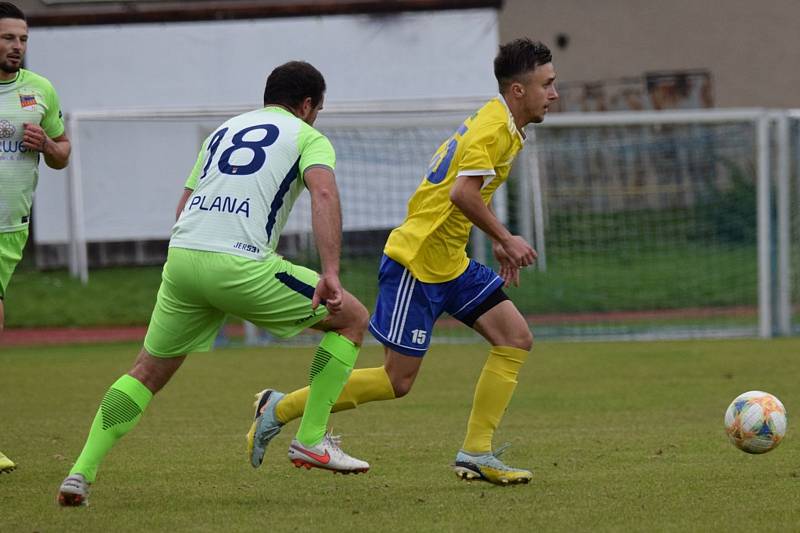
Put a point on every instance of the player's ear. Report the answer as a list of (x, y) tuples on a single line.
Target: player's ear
[(517, 89), (308, 106)]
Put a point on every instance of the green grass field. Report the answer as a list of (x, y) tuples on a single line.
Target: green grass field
[(601, 281), (621, 437)]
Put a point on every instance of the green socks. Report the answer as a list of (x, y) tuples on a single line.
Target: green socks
[(120, 411), (330, 369), (126, 400)]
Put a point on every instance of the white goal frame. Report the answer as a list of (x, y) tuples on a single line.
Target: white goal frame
[(774, 306)]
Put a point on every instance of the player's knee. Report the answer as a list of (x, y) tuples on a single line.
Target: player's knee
[(401, 385), (401, 381), (360, 316), (356, 319), (154, 372), (522, 339), (402, 371)]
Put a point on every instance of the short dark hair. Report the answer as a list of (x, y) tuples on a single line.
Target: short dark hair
[(293, 82), (517, 58), (10, 11)]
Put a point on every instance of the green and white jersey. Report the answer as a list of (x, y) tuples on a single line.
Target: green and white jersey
[(28, 98), (245, 181)]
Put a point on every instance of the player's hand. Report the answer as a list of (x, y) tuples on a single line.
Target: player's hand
[(508, 270), (34, 137), (329, 293), (519, 252)]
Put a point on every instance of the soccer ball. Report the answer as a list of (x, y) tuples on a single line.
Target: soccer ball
[(755, 422)]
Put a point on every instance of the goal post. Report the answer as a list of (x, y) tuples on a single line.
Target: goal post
[(789, 215)]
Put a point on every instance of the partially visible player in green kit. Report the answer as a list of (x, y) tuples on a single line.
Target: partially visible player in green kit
[(222, 260), (30, 126)]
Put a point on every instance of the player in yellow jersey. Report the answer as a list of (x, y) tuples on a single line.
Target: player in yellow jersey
[(425, 270)]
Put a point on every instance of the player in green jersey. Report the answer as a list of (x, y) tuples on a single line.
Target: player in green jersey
[(30, 126), (222, 260)]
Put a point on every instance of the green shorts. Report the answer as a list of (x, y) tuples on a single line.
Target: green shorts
[(199, 288), (11, 246)]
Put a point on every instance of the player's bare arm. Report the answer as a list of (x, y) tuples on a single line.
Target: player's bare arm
[(182, 202), (326, 222), (56, 150), (466, 195)]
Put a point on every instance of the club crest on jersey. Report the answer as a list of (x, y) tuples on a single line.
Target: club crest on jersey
[(27, 100)]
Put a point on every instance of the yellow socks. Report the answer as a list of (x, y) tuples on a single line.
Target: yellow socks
[(492, 393), (364, 385)]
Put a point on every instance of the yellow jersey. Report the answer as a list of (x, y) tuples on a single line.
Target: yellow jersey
[(432, 241)]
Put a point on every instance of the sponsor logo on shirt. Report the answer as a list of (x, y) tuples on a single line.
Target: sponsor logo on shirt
[(7, 129), (226, 204), (10, 150), (246, 247)]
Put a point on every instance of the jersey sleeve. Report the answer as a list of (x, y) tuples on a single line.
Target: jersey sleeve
[(194, 175), (481, 151), (53, 120), (316, 150)]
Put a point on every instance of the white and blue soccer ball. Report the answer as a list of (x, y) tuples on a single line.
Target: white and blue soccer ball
[(756, 422)]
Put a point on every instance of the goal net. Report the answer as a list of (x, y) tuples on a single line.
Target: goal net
[(648, 230)]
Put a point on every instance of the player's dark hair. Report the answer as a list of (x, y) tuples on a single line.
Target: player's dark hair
[(293, 82), (517, 58), (10, 11)]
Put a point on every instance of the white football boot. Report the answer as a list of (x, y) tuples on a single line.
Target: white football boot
[(327, 455)]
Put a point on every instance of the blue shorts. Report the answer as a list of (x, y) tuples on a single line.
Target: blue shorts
[(407, 308)]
